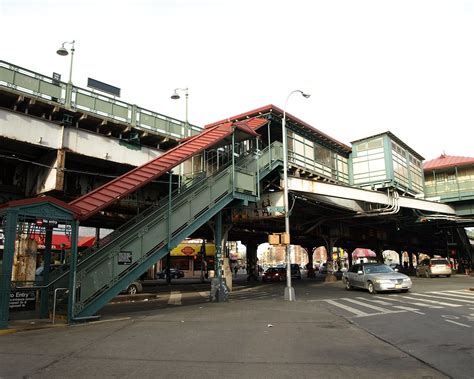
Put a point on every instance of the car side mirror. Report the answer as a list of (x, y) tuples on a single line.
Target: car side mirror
[(360, 272)]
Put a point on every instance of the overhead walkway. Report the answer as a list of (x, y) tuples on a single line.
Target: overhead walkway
[(122, 257)]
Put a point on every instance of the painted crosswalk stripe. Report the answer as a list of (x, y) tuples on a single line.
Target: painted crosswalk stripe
[(469, 294), (447, 298), (374, 301), (347, 308), (417, 304), (462, 296), (431, 301), (383, 310), (175, 298), (414, 310)]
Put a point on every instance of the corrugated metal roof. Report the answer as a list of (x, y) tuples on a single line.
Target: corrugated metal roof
[(446, 161)]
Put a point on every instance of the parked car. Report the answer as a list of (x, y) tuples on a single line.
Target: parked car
[(434, 267), (133, 288), (175, 273), (274, 274), (375, 277)]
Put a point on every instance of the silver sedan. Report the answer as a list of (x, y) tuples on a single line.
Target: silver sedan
[(375, 277)]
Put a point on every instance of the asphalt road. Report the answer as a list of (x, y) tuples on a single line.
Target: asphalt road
[(174, 331)]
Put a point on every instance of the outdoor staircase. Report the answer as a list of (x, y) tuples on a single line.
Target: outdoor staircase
[(124, 255)]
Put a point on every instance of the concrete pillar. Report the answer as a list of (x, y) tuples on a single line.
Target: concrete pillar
[(330, 277)]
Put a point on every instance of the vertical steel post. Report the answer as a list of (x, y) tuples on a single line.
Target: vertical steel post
[(6, 268), (46, 269), (73, 271)]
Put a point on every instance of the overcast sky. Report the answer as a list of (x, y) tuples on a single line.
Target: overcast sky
[(404, 65)]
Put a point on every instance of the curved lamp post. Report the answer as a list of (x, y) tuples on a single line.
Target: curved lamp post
[(63, 52), (175, 96), (289, 290)]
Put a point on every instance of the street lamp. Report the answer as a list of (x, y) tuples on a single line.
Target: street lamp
[(63, 52), (289, 290), (175, 96)]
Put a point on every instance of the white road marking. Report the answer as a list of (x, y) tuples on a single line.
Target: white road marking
[(414, 310), (175, 298), (418, 304), (432, 301), (462, 296), (446, 298), (347, 308), (383, 310), (374, 301), (463, 292), (458, 323)]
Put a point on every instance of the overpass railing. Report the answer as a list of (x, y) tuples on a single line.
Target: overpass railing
[(79, 99)]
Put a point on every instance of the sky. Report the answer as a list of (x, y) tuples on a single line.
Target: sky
[(371, 66)]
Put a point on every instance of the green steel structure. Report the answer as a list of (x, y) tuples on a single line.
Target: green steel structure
[(100, 273), (384, 161), (45, 88)]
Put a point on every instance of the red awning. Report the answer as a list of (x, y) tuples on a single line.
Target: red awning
[(63, 242), (363, 253)]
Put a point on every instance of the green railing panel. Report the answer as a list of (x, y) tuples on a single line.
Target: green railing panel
[(6, 75), (50, 90), (84, 101)]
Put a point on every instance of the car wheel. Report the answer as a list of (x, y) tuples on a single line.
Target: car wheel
[(132, 289), (448, 275), (348, 286), (371, 288), (174, 276)]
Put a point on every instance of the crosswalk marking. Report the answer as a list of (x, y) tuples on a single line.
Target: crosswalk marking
[(414, 310), (464, 292), (383, 310), (418, 304), (175, 298), (431, 301), (375, 301), (462, 296), (347, 308), (447, 298)]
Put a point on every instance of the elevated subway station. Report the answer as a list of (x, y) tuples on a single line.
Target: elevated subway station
[(115, 165)]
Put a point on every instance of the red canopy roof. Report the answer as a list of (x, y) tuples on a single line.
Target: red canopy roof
[(445, 161)]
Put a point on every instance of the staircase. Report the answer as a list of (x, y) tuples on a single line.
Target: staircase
[(128, 252)]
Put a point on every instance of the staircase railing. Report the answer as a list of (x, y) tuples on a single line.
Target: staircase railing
[(134, 247)]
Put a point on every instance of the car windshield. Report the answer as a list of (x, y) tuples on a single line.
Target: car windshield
[(379, 269)]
